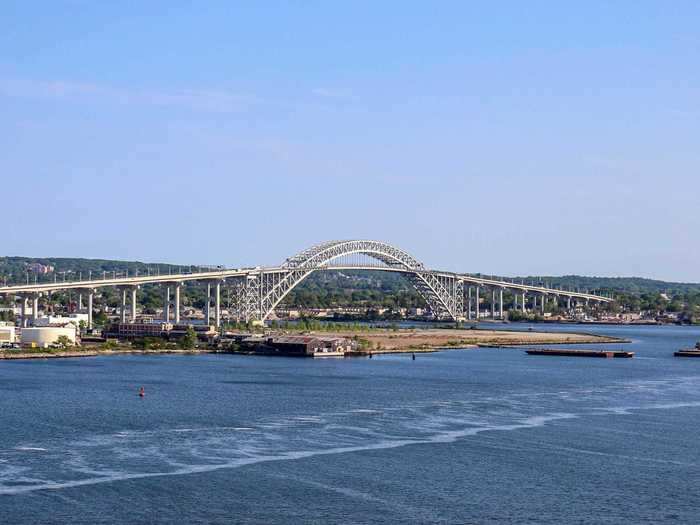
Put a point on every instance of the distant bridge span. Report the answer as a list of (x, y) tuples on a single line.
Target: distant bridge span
[(257, 291)]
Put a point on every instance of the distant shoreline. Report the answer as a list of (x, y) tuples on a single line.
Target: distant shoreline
[(377, 341)]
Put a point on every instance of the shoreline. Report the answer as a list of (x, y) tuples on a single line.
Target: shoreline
[(374, 342), (10, 355)]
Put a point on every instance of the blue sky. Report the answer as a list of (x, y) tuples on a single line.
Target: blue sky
[(501, 137)]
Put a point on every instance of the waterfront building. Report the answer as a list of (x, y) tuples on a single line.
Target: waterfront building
[(7, 334), (61, 320), (299, 345), (46, 336), (158, 329)]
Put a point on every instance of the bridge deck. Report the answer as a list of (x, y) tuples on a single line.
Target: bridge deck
[(255, 272)]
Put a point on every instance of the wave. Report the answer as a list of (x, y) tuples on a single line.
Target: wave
[(132, 454)]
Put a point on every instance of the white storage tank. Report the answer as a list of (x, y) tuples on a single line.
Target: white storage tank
[(7, 334), (44, 337)]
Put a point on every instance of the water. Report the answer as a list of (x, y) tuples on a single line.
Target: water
[(476, 436)]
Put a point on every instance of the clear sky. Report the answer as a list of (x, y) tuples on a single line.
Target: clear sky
[(501, 137)]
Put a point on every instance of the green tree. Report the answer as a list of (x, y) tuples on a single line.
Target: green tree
[(189, 340), (64, 341), (109, 344)]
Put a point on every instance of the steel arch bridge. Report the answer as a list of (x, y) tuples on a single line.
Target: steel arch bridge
[(257, 291), (258, 295)]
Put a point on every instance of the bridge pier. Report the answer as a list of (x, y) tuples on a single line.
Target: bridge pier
[(217, 305), (500, 303), (91, 296), (178, 286), (544, 302), (122, 310), (524, 303), (469, 303), (25, 306), (166, 304), (568, 303), (35, 308), (476, 302), (133, 303), (493, 304), (207, 305)]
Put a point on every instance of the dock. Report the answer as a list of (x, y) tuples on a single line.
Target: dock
[(581, 353)]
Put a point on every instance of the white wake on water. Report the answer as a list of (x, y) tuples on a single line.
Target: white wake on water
[(131, 455)]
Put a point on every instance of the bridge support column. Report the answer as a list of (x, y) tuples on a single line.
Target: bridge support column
[(217, 305), (476, 302), (91, 296), (568, 303), (177, 302), (133, 303), (24, 306), (80, 302), (500, 303), (493, 304), (543, 301), (524, 305), (469, 303), (166, 304), (122, 311), (35, 308), (207, 306)]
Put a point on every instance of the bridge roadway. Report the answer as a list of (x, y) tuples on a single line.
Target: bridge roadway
[(261, 289)]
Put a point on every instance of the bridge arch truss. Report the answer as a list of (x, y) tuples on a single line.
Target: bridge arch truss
[(257, 294)]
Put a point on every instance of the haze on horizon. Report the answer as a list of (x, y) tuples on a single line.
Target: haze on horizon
[(530, 138)]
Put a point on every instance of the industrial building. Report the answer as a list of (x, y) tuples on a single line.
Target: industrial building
[(7, 334), (299, 345), (157, 329), (56, 320), (137, 330), (44, 337)]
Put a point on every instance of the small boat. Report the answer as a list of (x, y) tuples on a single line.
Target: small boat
[(142, 392)]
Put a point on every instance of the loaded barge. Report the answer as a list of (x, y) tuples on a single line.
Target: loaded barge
[(581, 353), (689, 352)]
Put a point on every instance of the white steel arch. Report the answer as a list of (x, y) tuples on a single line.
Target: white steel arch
[(442, 293)]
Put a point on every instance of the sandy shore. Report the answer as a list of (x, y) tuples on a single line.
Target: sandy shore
[(385, 341)]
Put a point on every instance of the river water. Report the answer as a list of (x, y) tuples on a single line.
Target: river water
[(475, 436)]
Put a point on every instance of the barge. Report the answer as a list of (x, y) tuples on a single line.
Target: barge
[(581, 353), (691, 352)]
